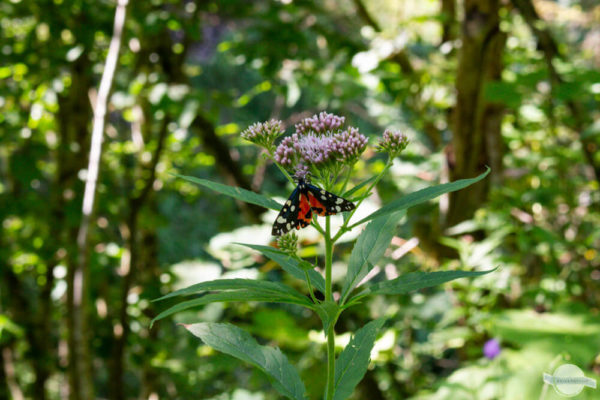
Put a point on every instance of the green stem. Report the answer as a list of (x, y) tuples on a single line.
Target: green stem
[(310, 289), (329, 296), (346, 180), (284, 172), (328, 258), (330, 363), (271, 157)]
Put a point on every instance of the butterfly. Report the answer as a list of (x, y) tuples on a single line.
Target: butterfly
[(304, 200)]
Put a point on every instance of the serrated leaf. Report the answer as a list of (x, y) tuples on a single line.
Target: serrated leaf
[(419, 280), (235, 284), (369, 247), (289, 265), (235, 192), (236, 342), (238, 295), (421, 196), (328, 312), (352, 364)]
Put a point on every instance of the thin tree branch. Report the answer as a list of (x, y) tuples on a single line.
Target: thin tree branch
[(80, 278)]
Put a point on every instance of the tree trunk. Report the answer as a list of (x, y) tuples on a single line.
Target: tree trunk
[(476, 139), (131, 266), (449, 28)]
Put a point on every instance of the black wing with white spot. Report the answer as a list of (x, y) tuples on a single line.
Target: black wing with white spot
[(288, 216), (323, 202)]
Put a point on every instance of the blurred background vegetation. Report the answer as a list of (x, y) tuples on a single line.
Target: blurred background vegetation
[(514, 85)]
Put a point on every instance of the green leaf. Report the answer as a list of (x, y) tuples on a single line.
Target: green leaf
[(369, 248), (289, 265), (328, 311), (421, 196), (419, 280), (351, 365), (359, 186), (235, 284), (237, 295), (235, 192), (238, 343)]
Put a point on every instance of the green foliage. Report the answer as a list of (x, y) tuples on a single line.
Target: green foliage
[(369, 247), (235, 192), (421, 196), (352, 363), (237, 343), (418, 280), (328, 311), (290, 265), (261, 293), (190, 77), (235, 284)]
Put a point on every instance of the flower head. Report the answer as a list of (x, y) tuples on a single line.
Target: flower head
[(319, 144), (491, 349), (264, 133), (392, 142), (349, 145), (288, 243), (301, 172), (320, 124)]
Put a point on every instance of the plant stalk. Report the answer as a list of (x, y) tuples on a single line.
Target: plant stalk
[(330, 363), (329, 296)]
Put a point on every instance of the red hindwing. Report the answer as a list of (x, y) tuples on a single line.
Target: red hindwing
[(305, 199)]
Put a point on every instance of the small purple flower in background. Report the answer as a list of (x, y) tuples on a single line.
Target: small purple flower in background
[(264, 133), (320, 124), (392, 142), (491, 349)]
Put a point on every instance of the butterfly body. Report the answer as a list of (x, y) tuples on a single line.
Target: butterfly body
[(305, 199)]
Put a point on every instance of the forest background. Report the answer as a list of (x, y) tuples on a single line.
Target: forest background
[(513, 85)]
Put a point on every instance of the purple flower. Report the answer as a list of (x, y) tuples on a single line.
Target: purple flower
[(392, 142), (302, 171), (314, 150), (264, 133), (320, 124), (349, 145), (320, 145), (285, 153), (491, 349)]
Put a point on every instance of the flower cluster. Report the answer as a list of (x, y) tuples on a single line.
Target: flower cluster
[(392, 142), (288, 243), (349, 144), (320, 146), (264, 133), (319, 143), (320, 124)]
